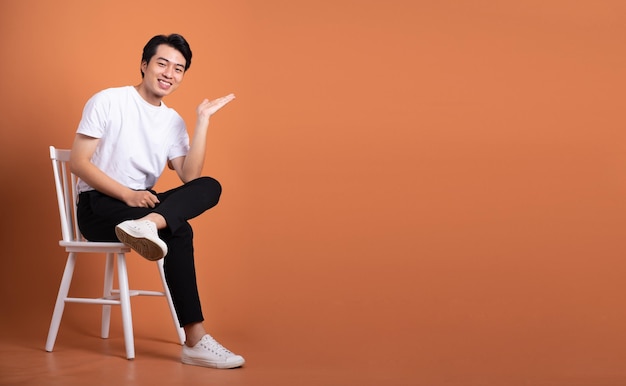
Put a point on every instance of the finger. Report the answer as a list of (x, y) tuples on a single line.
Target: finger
[(225, 99), (228, 98), (219, 103)]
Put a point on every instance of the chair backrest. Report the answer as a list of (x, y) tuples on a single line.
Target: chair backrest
[(65, 184)]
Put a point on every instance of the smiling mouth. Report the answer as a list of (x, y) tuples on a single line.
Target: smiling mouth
[(164, 82)]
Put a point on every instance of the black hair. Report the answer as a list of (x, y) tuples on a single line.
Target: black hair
[(175, 41)]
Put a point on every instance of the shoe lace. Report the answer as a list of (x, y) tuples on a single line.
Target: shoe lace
[(151, 227), (211, 344)]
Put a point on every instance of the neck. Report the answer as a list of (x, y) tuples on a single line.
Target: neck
[(148, 97)]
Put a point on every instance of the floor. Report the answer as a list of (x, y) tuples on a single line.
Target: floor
[(275, 355), (81, 357)]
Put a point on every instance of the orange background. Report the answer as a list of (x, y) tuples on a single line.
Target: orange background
[(434, 188)]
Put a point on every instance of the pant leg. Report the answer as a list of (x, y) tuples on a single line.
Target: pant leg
[(180, 274), (98, 215), (188, 201), (177, 207)]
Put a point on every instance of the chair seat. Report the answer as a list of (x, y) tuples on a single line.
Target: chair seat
[(94, 246)]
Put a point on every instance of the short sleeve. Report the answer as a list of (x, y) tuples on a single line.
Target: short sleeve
[(94, 122)]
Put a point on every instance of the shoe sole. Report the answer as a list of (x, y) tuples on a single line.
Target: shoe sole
[(206, 363), (148, 249)]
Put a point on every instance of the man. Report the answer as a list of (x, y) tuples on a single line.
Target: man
[(126, 137)]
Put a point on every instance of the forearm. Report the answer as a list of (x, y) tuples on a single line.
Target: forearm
[(194, 161), (191, 167), (80, 164), (98, 180)]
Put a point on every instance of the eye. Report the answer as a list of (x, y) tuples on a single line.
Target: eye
[(179, 70), (161, 64)]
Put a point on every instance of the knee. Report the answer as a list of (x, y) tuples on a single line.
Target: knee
[(211, 189), (211, 185)]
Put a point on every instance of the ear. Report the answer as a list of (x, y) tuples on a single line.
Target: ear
[(144, 66)]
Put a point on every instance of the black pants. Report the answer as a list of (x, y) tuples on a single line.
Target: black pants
[(98, 214)]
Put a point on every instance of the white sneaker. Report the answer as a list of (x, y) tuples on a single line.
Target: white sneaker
[(209, 353), (143, 237)]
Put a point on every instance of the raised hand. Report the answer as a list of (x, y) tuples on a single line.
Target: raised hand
[(208, 108)]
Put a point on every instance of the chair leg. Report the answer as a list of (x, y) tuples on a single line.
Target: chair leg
[(166, 290), (60, 302), (108, 287), (127, 319)]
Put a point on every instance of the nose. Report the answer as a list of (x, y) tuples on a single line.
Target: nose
[(167, 72)]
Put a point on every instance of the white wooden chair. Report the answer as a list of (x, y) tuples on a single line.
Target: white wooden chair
[(74, 244)]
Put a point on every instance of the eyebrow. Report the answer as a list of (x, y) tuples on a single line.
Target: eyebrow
[(176, 64)]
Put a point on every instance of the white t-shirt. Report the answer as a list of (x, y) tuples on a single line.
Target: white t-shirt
[(136, 138)]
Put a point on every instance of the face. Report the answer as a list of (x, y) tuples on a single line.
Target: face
[(162, 75)]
